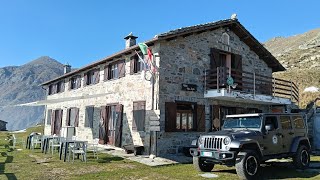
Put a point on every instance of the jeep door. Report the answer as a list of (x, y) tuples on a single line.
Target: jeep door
[(299, 126), (287, 132), (272, 140)]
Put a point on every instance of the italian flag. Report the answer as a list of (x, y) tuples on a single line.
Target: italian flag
[(147, 51)]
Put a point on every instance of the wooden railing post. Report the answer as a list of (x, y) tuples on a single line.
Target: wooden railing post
[(291, 91), (274, 87), (254, 84), (205, 80), (217, 78)]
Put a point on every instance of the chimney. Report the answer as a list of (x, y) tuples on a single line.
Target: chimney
[(66, 68), (130, 40)]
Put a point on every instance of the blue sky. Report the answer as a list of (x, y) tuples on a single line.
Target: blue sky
[(79, 32)]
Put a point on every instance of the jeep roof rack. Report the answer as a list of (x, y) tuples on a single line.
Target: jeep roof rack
[(242, 115)]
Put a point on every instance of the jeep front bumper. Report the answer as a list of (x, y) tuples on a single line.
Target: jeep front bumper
[(212, 154)]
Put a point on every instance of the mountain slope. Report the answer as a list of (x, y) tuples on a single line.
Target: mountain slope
[(300, 55), (20, 84)]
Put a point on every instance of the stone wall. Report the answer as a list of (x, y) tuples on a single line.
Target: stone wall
[(125, 91), (184, 60)]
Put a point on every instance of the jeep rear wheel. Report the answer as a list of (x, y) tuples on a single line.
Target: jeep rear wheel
[(301, 159), (247, 164), (200, 165)]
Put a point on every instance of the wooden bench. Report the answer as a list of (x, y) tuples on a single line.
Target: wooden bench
[(136, 149)]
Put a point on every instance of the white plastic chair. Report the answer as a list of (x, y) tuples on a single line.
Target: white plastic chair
[(55, 143), (93, 147), (35, 140), (78, 148), (16, 141)]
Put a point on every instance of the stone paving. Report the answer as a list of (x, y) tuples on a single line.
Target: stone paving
[(144, 159), (158, 161)]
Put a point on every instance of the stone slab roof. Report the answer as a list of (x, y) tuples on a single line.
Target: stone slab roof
[(232, 24)]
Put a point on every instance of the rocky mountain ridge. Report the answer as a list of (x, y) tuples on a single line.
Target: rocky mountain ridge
[(300, 55), (20, 84)]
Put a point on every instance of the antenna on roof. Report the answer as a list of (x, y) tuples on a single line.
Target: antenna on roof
[(234, 16)]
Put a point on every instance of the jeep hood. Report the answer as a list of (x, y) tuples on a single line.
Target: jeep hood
[(241, 133)]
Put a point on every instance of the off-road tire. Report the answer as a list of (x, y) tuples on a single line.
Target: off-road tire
[(247, 164), (301, 159), (201, 166)]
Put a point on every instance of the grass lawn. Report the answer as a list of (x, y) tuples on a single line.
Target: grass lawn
[(22, 164)]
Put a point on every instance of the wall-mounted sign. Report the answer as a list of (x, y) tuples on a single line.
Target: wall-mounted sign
[(189, 87)]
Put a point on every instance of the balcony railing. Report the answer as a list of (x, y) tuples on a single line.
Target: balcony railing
[(250, 82)]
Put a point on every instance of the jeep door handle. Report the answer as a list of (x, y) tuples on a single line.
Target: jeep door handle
[(291, 133)]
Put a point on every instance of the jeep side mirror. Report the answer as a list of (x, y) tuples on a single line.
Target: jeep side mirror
[(268, 128)]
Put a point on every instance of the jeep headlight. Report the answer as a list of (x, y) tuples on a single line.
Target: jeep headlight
[(201, 139), (226, 141)]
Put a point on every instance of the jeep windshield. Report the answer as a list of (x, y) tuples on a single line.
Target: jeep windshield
[(242, 122)]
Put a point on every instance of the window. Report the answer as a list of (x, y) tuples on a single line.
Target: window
[(60, 86), (135, 64), (115, 70), (184, 116), (114, 73), (272, 120), (49, 114), (232, 62), (75, 82), (92, 77), (92, 116), (56, 88), (50, 90), (298, 122), (73, 117), (139, 112), (285, 122)]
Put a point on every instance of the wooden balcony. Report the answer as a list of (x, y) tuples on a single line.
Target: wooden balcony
[(249, 85)]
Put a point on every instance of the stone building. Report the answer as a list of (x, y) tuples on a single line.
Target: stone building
[(3, 125), (204, 72)]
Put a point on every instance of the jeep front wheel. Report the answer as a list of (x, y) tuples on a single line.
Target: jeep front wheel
[(247, 164), (301, 159), (200, 165)]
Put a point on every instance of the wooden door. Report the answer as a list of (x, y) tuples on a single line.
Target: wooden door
[(57, 121), (118, 125), (114, 124), (216, 119), (103, 125), (111, 127), (236, 65)]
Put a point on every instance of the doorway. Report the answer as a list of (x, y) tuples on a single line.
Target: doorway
[(110, 128)]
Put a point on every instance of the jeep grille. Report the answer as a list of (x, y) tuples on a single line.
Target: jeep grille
[(213, 143)]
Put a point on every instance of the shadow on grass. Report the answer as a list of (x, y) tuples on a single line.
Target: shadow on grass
[(231, 171), (108, 159), (283, 170), (9, 159), (279, 170)]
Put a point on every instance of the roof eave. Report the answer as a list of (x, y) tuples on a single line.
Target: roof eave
[(101, 61)]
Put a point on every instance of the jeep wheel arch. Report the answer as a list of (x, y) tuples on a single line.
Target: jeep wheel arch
[(252, 146), (299, 141)]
